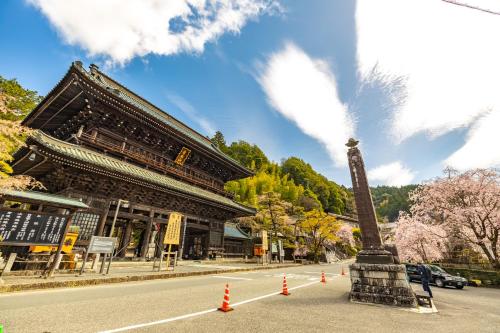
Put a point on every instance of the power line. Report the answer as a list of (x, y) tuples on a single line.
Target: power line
[(471, 7)]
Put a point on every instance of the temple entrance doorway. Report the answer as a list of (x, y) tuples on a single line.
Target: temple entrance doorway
[(196, 242)]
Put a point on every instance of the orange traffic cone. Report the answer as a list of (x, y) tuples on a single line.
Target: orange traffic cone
[(285, 288), (225, 303), (323, 279), (343, 273)]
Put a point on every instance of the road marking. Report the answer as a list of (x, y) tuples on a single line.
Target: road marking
[(195, 314), (214, 266), (321, 272), (230, 277)]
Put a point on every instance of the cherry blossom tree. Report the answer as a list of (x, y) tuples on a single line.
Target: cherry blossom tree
[(464, 206), (417, 241), (345, 235)]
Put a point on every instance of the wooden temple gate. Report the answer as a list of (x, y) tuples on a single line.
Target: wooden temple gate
[(97, 141)]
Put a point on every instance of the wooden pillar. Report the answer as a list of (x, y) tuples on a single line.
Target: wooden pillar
[(183, 236), (147, 235), (102, 221), (126, 239), (161, 235)]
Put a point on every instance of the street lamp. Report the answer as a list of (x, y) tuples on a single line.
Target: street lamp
[(120, 201)]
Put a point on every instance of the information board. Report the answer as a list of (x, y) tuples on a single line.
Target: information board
[(102, 244), (172, 235), (31, 228)]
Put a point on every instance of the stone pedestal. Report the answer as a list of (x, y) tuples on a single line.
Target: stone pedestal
[(381, 284)]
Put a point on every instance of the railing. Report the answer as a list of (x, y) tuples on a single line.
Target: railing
[(158, 162)]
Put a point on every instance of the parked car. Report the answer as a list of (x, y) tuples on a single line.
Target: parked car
[(440, 277)]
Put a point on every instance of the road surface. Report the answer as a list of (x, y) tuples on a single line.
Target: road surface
[(189, 305)]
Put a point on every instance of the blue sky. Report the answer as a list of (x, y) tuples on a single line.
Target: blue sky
[(294, 77)]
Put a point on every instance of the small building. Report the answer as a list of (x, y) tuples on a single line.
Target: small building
[(237, 243), (99, 142)]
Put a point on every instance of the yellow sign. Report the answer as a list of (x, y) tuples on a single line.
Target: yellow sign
[(69, 241), (265, 244), (183, 156), (173, 233)]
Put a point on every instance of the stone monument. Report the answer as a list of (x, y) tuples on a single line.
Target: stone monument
[(375, 277)]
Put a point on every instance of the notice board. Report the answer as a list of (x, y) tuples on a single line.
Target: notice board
[(173, 232), (31, 228)]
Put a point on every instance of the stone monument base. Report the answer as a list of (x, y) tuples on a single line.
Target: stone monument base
[(381, 284)]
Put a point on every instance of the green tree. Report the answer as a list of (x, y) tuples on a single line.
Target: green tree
[(219, 141), (15, 103), (320, 228), (245, 153)]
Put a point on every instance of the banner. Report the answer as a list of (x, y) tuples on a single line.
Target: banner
[(173, 233)]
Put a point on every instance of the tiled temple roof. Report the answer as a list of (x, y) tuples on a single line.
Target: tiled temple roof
[(47, 198), (92, 159), (130, 97)]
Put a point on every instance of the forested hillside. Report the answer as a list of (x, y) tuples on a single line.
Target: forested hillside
[(390, 200), (295, 180)]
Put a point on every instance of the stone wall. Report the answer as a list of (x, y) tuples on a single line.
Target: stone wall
[(381, 284)]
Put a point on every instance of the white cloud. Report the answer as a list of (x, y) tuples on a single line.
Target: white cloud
[(392, 174), (123, 29), (304, 90), (191, 113), (481, 149), (447, 58)]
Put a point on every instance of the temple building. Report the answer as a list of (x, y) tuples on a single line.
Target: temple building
[(97, 141)]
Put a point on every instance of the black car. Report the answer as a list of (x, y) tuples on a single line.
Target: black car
[(440, 277)]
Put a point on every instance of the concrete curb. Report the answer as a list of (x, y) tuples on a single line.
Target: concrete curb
[(47, 284)]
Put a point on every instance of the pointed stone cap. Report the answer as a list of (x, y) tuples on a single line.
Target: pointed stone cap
[(352, 143)]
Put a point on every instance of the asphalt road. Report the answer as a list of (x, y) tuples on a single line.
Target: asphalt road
[(189, 305)]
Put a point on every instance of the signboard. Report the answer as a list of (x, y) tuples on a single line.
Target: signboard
[(68, 243), (265, 244), (183, 156), (29, 228), (102, 244), (172, 235), (258, 251), (274, 247)]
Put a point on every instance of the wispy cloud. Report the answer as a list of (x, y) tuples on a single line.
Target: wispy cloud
[(444, 59), (304, 90), (392, 174), (481, 147), (124, 29), (192, 113)]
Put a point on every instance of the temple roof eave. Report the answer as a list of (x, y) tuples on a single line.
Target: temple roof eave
[(80, 157), (127, 98)]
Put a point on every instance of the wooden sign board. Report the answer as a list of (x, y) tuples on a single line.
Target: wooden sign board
[(173, 233), (183, 156), (31, 228)]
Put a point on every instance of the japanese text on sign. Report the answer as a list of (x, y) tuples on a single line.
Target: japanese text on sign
[(173, 232), (27, 228), (183, 156)]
